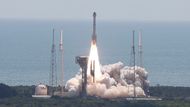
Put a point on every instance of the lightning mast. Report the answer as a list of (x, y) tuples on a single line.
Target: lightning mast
[(53, 67), (140, 55), (61, 51), (133, 61), (140, 52)]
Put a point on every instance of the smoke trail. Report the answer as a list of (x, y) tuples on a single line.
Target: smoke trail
[(116, 81)]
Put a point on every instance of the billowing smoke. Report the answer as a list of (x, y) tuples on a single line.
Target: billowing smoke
[(116, 81)]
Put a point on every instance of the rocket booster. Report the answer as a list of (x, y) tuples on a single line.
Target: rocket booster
[(92, 69), (94, 29)]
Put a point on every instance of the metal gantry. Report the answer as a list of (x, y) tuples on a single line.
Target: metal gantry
[(83, 61), (140, 51), (61, 52), (53, 66), (134, 64)]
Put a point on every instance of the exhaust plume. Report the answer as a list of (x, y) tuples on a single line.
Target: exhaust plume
[(115, 81)]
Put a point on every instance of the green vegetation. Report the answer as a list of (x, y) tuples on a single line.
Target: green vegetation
[(6, 91), (21, 97), (78, 102), (171, 93)]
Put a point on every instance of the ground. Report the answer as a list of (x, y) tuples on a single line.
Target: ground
[(172, 97)]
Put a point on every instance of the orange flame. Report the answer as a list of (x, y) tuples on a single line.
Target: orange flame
[(93, 63)]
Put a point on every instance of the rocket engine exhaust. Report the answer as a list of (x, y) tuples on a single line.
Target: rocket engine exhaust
[(108, 81), (93, 68)]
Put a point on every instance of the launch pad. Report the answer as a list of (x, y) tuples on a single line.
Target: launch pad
[(108, 81)]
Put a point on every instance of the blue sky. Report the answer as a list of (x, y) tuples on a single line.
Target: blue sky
[(114, 10)]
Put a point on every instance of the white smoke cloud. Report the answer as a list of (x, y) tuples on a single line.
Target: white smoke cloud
[(116, 81)]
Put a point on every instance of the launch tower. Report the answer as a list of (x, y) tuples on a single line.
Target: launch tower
[(61, 52), (82, 61), (53, 67)]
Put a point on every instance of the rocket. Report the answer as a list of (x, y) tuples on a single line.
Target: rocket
[(94, 29)]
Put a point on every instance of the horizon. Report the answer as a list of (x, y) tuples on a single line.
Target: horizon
[(124, 10)]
